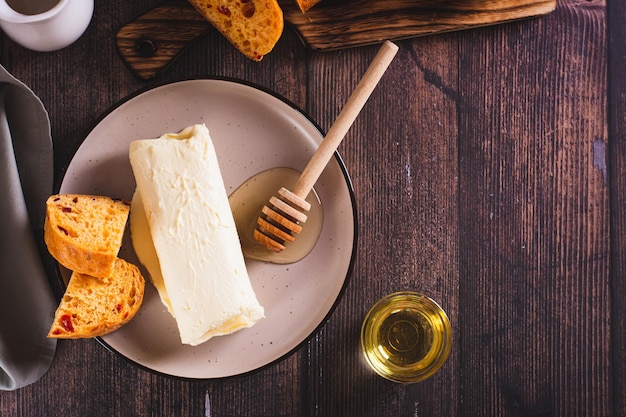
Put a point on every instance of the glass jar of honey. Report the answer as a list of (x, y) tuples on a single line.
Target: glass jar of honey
[(406, 337)]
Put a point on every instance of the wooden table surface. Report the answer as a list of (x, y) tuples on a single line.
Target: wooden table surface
[(489, 169)]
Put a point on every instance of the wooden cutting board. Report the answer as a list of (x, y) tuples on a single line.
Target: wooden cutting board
[(150, 43)]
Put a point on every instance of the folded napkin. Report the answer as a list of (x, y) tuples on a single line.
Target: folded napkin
[(27, 301)]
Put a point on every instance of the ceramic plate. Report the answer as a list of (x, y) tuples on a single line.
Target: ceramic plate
[(252, 130)]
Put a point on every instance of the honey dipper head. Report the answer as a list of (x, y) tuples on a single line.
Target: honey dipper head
[(280, 220)]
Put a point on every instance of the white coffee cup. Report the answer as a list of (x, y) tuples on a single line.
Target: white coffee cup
[(45, 26)]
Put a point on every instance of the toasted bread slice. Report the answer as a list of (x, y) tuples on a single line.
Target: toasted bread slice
[(93, 306), (84, 233), (252, 26), (306, 4)]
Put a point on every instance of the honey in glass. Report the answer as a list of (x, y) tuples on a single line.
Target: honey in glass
[(406, 337)]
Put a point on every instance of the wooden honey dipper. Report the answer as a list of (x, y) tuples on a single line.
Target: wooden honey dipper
[(284, 216)]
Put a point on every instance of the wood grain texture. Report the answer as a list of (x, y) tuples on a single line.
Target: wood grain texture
[(402, 158), (153, 40), (536, 338), (334, 24), (143, 46), (616, 161), (489, 170)]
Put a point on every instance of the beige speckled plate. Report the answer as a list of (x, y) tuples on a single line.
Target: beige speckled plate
[(252, 130)]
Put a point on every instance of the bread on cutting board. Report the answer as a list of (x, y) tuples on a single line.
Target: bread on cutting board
[(252, 26), (306, 4)]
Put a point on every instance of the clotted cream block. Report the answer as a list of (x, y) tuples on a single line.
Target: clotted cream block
[(202, 276)]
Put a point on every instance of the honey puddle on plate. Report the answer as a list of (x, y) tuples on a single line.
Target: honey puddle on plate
[(246, 203)]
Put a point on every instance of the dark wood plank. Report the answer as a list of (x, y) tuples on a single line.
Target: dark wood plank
[(534, 256), (616, 159), (276, 391), (401, 154)]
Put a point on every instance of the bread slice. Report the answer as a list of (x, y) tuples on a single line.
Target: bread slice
[(84, 232), (93, 306), (306, 4), (252, 26)]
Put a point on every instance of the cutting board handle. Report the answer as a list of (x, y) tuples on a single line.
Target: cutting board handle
[(152, 42)]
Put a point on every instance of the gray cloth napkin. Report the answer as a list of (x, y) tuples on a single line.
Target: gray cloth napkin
[(27, 301)]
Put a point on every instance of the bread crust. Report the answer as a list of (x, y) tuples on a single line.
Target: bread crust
[(93, 306), (252, 26), (306, 4), (64, 232)]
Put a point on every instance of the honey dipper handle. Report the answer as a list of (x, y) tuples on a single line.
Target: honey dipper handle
[(345, 119)]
